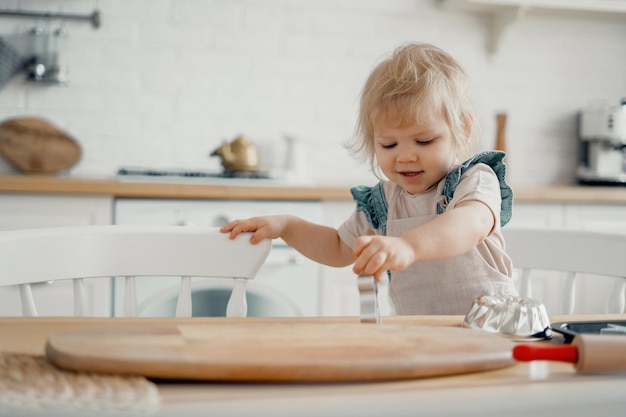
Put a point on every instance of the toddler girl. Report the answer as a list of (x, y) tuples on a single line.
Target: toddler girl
[(432, 223)]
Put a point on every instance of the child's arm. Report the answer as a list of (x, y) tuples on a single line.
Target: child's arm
[(452, 233), (319, 243)]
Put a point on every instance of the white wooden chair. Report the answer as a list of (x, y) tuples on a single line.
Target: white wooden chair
[(39, 255), (579, 255)]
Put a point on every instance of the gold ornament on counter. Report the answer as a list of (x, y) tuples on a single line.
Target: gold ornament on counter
[(238, 155)]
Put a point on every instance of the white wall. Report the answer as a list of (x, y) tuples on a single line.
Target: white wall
[(164, 82)]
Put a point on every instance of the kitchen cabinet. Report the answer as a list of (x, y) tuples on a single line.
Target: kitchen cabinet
[(502, 14), (573, 216), (26, 211), (539, 215), (591, 290), (583, 6), (594, 217)]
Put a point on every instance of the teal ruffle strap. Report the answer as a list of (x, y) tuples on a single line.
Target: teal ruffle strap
[(495, 160), (371, 201)]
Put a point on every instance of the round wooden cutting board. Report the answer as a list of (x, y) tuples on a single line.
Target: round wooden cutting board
[(282, 351)]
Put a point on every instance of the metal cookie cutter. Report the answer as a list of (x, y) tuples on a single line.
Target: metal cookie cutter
[(368, 294)]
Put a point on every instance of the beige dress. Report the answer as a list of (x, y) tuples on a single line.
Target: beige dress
[(446, 286)]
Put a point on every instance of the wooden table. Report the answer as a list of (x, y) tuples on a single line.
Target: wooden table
[(526, 389)]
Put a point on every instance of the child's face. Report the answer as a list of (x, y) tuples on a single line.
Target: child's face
[(417, 155)]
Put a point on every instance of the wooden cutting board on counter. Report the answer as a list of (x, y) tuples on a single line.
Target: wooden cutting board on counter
[(34, 145), (282, 351)]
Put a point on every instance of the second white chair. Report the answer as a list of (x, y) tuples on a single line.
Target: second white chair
[(577, 254)]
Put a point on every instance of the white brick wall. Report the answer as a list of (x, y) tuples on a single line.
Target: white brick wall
[(164, 82)]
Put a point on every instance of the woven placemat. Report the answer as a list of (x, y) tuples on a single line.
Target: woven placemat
[(29, 384)]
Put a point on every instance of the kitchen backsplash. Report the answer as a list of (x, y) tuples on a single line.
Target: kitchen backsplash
[(163, 82)]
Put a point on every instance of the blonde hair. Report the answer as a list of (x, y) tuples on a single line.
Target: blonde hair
[(418, 80)]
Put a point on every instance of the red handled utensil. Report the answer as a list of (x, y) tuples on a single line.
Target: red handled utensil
[(588, 353)]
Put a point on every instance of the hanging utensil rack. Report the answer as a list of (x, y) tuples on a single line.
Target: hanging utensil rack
[(95, 17)]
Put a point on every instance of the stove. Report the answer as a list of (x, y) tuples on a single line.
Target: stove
[(190, 173)]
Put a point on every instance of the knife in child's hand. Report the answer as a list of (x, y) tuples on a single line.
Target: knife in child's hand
[(368, 295)]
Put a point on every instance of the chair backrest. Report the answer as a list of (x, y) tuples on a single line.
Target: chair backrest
[(39, 255), (578, 254)]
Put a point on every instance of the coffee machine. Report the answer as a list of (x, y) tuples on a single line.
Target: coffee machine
[(602, 145)]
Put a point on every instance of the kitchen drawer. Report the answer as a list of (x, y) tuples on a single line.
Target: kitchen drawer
[(26, 211)]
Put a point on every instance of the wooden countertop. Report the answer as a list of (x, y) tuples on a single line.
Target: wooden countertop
[(218, 189), (267, 191)]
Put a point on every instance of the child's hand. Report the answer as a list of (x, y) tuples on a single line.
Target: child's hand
[(377, 254), (268, 227)]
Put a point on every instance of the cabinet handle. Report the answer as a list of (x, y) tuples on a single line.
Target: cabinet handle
[(185, 222)]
